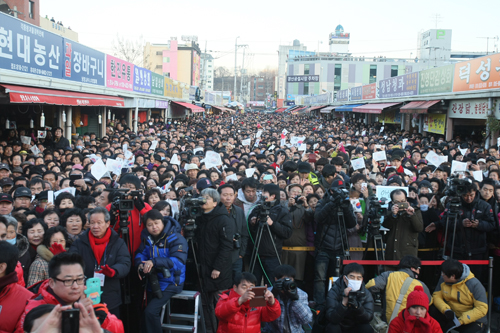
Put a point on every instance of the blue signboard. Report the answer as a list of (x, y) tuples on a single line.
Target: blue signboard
[(83, 64), (142, 80), (29, 49), (356, 93)]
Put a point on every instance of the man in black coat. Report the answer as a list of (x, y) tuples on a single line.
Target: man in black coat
[(349, 306), (59, 140), (279, 222), (114, 259), (214, 236)]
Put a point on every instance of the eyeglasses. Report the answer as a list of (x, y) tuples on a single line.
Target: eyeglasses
[(69, 283)]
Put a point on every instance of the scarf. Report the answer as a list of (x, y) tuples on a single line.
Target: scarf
[(98, 245), (8, 279)]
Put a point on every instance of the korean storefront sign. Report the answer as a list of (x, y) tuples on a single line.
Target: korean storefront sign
[(83, 64), (302, 78), (142, 80), (119, 73), (390, 117), (343, 95), (27, 48), (356, 93), (436, 80), (172, 88), (469, 108), (398, 86), (478, 74), (157, 84), (370, 91), (435, 123)]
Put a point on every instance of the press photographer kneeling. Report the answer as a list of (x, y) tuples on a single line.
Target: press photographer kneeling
[(349, 306)]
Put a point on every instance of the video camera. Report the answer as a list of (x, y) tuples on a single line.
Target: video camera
[(339, 197), (287, 286), (190, 210), (375, 212), (457, 186), (121, 201), (263, 208)]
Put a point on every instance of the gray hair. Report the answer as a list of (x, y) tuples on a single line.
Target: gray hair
[(11, 221), (212, 193), (99, 210)]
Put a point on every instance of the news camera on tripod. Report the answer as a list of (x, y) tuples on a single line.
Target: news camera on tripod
[(334, 215), (466, 221)]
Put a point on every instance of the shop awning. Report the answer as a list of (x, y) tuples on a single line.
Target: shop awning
[(223, 109), (346, 107), (21, 94), (190, 106), (327, 109), (373, 108), (280, 110), (316, 107), (418, 106)]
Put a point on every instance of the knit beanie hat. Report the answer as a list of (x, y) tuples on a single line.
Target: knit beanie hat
[(418, 297)]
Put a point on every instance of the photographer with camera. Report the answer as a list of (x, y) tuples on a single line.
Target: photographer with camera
[(214, 238), (161, 259), (475, 220), (279, 221), (349, 306), (329, 238), (293, 301), (404, 223)]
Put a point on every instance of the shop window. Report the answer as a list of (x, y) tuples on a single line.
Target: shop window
[(373, 73), (394, 70), (306, 88)]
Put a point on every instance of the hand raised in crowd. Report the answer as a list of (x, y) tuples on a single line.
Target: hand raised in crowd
[(395, 209), (269, 297), (53, 322), (410, 210), (248, 295)]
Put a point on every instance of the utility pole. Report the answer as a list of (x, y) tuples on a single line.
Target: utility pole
[(235, 65), (204, 79), (243, 72), (488, 42)]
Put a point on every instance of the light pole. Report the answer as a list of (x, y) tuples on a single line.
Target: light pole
[(235, 64)]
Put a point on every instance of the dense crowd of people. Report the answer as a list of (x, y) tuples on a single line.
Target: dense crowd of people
[(108, 226)]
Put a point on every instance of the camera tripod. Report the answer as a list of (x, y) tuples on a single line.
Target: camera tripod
[(343, 235), (262, 221), (453, 216)]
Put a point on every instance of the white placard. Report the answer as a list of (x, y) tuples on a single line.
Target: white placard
[(381, 129), (282, 142), (405, 142), (296, 140), (358, 163), (246, 142), (153, 145), (71, 190), (94, 158), (256, 144), (25, 139), (114, 166), (175, 160), (478, 175), (315, 146), (302, 147), (457, 166), (463, 151), (379, 156), (128, 154), (433, 158), (35, 150), (363, 133), (285, 132), (50, 197), (197, 150), (212, 160), (408, 172), (249, 172), (271, 147), (174, 205), (232, 177), (125, 147), (98, 169), (259, 133), (384, 192)]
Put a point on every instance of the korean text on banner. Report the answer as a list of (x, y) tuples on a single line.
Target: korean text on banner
[(83, 64), (358, 163), (478, 74), (436, 123), (384, 192), (157, 84), (142, 80), (436, 80), (119, 73), (398, 86)]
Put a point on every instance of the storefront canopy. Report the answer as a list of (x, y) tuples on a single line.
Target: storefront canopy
[(280, 110), (190, 106), (373, 108), (312, 108), (418, 106), (21, 94), (347, 107), (327, 109)]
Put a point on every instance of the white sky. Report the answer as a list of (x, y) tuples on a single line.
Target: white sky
[(386, 27)]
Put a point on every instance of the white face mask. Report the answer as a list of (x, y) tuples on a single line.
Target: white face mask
[(12, 241), (354, 284), (424, 208)]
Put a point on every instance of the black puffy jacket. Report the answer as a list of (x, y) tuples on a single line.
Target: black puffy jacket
[(214, 236), (475, 238), (328, 236), (281, 229), (348, 317)]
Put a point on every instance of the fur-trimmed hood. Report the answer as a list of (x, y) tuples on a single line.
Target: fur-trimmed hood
[(22, 244)]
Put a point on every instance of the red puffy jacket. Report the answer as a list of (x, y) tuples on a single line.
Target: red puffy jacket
[(234, 318), (20, 275), (111, 323), (135, 227), (404, 323), (13, 298)]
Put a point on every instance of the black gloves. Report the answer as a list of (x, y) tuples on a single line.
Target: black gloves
[(139, 203)]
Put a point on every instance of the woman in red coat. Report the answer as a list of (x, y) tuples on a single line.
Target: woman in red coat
[(234, 312), (416, 318)]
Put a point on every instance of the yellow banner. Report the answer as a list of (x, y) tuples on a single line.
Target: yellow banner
[(437, 123), (172, 88)]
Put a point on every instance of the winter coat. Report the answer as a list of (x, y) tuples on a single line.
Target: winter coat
[(39, 269), (63, 143), (402, 238), (470, 240), (116, 256), (45, 296), (404, 323), (348, 317), (240, 224), (466, 297), (241, 202), (135, 226), (427, 240), (24, 256), (235, 318), (392, 282), (328, 237), (214, 235), (295, 313), (281, 229), (13, 298), (168, 250)]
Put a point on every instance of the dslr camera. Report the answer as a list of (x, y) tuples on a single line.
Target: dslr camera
[(354, 297), (152, 277), (286, 287), (298, 202)]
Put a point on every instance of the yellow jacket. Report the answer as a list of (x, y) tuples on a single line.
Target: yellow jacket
[(467, 298), (392, 283)]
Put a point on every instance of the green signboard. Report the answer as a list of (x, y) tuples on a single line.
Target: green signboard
[(436, 80), (157, 84)]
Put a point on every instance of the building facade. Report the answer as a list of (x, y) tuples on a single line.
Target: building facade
[(207, 72), (26, 10), (283, 52), (58, 29)]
